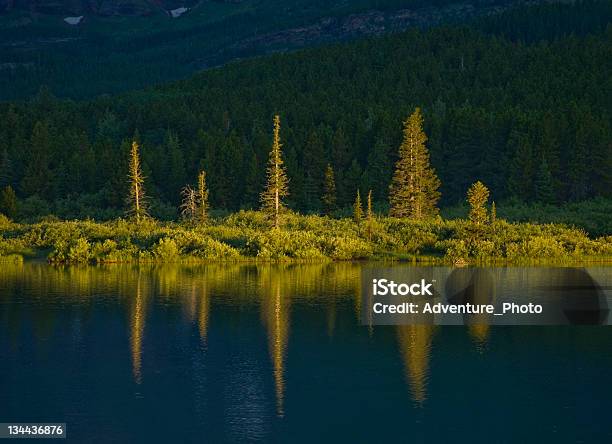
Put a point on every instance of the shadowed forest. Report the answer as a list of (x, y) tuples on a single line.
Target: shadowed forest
[(519, 103)]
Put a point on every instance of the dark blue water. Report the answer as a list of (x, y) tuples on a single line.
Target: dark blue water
[(234, 353)]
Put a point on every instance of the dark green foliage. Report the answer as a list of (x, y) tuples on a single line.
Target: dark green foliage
[(202, 205), (176, 166), (379, 170), (37, 177), (8, 202), (543, 184), (313, 159), (253, 182), (487, 120), (520, 183), (329, 196), (6, 169)]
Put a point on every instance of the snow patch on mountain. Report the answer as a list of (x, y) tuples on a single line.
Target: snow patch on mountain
[(176, 13), (73, 20)]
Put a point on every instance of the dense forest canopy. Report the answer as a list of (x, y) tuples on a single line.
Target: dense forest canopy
[(530, 118), (125, 45)]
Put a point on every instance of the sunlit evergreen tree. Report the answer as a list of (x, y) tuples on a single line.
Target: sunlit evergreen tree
[(357, 209), (202, 205), (369, 215), (414, 189), (137, 200), (277, 181), (477, 197), (329, 196)]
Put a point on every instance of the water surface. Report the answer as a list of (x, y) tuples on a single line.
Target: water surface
[(234, 353)]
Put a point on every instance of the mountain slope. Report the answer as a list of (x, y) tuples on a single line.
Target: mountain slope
[(108, 54)]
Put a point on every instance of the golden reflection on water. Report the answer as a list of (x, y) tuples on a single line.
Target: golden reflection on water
[(275, 314), (415, 349), (329, 288), (137, 325)]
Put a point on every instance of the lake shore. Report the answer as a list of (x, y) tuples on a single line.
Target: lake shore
[(247, 236)]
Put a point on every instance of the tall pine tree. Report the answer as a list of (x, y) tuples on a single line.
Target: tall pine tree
[(6, 169), (369, 215), (137, 204), (357, 208), (329, 196), (202, 198), (414, 189), (277, 182)]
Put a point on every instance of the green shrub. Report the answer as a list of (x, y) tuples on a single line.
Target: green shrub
[(247, 234), (166, 249)]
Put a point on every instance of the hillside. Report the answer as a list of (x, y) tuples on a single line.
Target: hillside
[(116, 46), (493, 112)]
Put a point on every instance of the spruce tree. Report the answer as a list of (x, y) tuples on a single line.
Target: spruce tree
[(379, 169), (543, 184), (477, 197), (313, 161), (352, 177), (277, 182), (252, 182), (329, 196), (137, 204), (579, 166), (37, 175), (357, 209), (341, 157), (370, 215), (176, 171), (8, 202), (493, 213), (6, 169), (414, 188), (202, 205), (520, 182)]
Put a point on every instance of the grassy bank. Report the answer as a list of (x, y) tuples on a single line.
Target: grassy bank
[(248, 236)]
